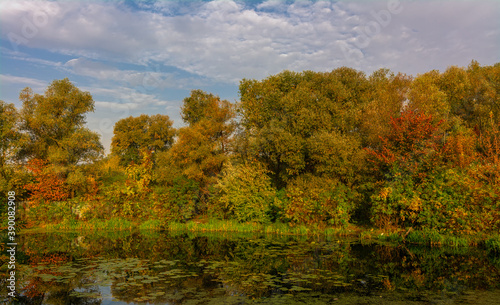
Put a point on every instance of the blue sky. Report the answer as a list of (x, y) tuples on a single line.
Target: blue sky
[(139, 57)]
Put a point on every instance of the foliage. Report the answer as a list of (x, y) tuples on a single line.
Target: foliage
[(493, 244), (463, 203), (313, 200), (179, 202), (286, 117), (460, 148), (197, 154), (411, 147), (387, 96), (9, 135), (396, 204), (244, 192), (426, 97), (202, 147), (308, 149), (51, 212), (54, 125), (46, 185), (201, 106), (54, 145), (133, 134), (482, 96), (418, 191), (452, 201), (139, 176)]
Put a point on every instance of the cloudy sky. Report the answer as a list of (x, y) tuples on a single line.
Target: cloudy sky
[(139, 57)]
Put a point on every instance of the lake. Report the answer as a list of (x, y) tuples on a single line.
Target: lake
[(152, 267)]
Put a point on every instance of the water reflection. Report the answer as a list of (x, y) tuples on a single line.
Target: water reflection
[(164, 268)]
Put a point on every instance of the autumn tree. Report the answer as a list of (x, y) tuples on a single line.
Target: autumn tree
[(403, 161), (9, 135), (133, 134), (388, 94), (413, 143), (483, 96), (12, 176), (426, 97), (472, 94), (47, 185), (55, 125), (299, 123), (202, 147), (455, 83), (57, 144), (201, 106)]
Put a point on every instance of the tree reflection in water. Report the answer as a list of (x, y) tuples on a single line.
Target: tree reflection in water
[(161, 268)]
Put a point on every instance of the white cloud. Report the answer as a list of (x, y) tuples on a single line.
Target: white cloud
[(25, 81), (227, 40), (85, 67), (152, 79), (124, 98)]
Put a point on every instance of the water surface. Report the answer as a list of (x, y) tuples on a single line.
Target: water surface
[(148, 267)]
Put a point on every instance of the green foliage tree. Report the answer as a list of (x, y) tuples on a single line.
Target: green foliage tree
[(388, 93), (244, 192), (483, 96), (292, 119), (9, 135), (130, 135), (314, 200), (181, 199), (425, 96), (54, 125)]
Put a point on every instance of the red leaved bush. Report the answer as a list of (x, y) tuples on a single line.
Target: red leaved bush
[(412, 142), (47, 186)]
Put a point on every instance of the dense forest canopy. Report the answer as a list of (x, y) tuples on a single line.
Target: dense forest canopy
[(322, 148)]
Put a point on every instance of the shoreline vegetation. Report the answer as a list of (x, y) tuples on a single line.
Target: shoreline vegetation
[(489, 242), (386, 157)]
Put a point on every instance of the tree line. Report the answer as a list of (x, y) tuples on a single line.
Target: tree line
[(315, 148)]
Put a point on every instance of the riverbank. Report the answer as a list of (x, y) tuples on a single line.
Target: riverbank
[(489, 241)]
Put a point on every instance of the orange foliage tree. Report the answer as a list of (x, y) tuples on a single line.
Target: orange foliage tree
[(202, 147), (403, 160), (46, 185), (412, 144)]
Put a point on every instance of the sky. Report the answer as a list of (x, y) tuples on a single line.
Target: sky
[(144, 57)]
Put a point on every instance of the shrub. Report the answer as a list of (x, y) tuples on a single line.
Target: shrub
[(396, 203), (448, 200), (244, 192), (312, 199), (179, 201)]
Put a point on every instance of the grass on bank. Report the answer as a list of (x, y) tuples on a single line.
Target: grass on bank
[(213, 225), (365, 235), (113, 224), (197, 225)]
